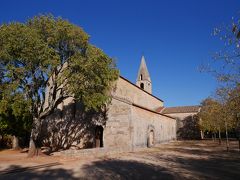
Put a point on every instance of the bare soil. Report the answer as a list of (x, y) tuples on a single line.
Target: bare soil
[(175, 160)]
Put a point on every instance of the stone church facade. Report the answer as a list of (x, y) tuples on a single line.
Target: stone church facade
[(133, 119), (130, 122)]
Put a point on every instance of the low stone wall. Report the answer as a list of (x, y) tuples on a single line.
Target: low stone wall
[(94, 152), (100, 152)]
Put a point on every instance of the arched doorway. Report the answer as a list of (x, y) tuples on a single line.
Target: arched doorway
[(99, 136), (150, 142)]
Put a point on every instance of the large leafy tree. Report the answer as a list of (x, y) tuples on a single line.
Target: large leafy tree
[(211, 115), (226, 62), (15, 118), (216, 116), (233, 108), (51, 53), (233, 101), (226, 68)]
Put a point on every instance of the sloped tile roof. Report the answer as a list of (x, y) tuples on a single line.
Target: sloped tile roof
[(159, 109), (180, 109)]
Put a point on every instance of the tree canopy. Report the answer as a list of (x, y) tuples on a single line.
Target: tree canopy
[(221, 112), (51, 53), (226, 61)]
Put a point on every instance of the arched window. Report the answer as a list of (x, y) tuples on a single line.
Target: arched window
[(142, 85), (141, 77)]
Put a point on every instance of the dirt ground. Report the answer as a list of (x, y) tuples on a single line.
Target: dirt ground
[(175, 160)]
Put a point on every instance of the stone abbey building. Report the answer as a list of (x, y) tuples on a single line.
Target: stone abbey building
[(131, 121)]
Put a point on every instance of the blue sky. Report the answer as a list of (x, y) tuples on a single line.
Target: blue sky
[(174, 36)]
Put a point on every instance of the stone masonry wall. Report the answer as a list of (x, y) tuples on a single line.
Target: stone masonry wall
[(180, 117), (144, 121), (125, 128), (117, 133), (135, 95), (128, 126)]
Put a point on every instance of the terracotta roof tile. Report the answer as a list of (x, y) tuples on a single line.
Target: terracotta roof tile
[(180, 109), (159, 109)]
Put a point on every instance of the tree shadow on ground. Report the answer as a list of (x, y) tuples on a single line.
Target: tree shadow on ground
[(20, 173), (212, 168), (122, 169), (202, 163), (169, 162)]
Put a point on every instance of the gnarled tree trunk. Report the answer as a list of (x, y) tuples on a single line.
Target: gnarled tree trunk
[(15, 143), (35, 142), (34, 150)]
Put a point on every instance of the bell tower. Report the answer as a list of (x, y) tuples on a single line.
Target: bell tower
[(143, 78)]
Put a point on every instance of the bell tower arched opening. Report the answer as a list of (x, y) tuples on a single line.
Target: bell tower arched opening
[(143, 78)]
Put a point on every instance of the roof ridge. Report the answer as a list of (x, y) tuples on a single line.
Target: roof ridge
[(184, 106), (181, 109), (140, 88), (162, 109)]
